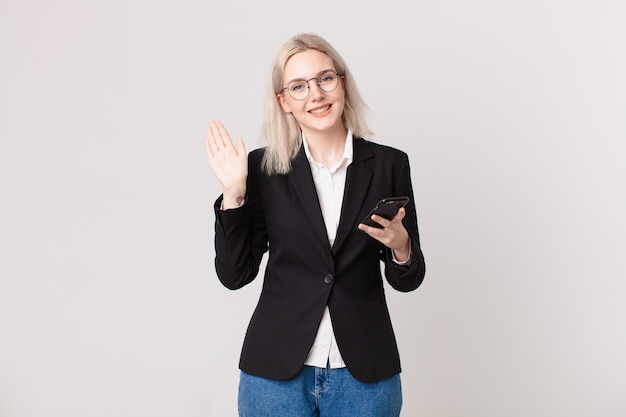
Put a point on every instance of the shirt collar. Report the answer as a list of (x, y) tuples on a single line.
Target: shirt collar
[(348, 150)]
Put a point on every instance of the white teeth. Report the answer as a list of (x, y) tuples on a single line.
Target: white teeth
[(319, 111)]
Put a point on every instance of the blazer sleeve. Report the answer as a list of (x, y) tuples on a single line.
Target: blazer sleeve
[(406, 277), (240, 235)]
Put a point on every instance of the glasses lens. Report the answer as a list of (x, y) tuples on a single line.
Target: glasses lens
[(298, 90), (328, 81)]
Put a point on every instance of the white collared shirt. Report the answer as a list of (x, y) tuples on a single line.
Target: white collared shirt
[(330, 185)]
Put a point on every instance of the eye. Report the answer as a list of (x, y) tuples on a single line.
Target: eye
[(327, 78), (295, 87)]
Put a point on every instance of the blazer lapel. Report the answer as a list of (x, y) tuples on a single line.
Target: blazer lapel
[(358, 179), (301, 181)]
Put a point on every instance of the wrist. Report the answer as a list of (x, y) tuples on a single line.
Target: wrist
[(233, 198), (403, 254)]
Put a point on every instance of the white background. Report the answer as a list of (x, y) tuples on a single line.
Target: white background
[(514, 117)]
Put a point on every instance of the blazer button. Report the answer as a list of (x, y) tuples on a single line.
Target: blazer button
[(328, 279)]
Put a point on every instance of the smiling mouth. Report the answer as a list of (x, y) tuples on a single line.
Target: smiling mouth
[(320, 110)]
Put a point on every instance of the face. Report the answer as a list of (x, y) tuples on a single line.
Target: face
[(320, 111)]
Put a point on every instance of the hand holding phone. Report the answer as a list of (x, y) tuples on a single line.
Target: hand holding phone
[(387, 208)]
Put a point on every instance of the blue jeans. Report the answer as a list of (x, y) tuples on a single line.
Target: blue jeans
[(319, 392)]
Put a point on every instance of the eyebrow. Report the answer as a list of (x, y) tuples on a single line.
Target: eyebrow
[(318, 74)]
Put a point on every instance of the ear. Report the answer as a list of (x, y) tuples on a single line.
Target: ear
[(283, 103)]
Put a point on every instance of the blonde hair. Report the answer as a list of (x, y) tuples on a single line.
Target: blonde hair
[(281, 133)]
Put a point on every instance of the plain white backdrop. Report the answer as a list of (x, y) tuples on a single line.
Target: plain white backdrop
[(514, 117)]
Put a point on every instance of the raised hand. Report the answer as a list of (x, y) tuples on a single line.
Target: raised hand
[(229, 163)]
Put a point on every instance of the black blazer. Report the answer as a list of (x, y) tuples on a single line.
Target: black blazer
[(303, 274)]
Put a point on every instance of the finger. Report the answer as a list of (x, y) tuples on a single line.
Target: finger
[(241, 148), (211, 137), (372, 231), (223, 135), (210, 143), (400, 215), (217, 142), (375, 233), (381, 221), (209, 151)]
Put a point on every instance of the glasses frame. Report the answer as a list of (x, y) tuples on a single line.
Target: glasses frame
[(308, 89)]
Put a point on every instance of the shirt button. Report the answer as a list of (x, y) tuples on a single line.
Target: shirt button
[(328, 279)]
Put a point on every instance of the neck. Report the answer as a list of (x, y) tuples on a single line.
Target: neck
[(327, 148)]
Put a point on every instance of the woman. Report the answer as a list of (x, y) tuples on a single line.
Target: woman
[(320, 341)]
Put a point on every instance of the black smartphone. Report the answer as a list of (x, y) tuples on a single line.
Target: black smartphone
[(387, 208)]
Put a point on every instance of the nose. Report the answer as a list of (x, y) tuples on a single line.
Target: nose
[(315, 91)]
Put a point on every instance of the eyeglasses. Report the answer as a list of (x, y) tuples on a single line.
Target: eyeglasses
[(327, 82)]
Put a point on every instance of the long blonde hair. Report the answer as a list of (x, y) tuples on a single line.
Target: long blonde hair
[(281, 133)]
